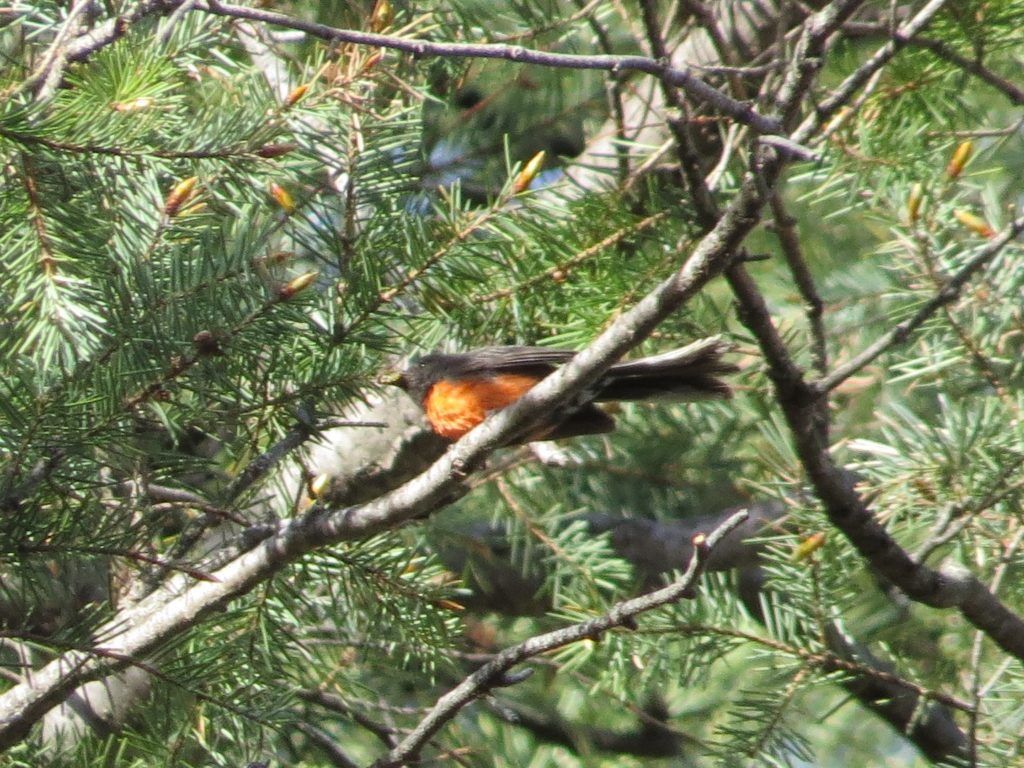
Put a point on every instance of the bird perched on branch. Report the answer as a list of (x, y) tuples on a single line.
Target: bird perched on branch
[(458, 391)]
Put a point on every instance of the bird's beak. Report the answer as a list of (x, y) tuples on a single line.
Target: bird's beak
[(393, 379)]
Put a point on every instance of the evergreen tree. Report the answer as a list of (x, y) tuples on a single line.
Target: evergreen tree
[(226, 540)]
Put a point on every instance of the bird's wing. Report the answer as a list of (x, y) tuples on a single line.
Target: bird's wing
[(535, 360), (702, 356)]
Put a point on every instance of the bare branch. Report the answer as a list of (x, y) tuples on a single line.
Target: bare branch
[(327, 744), (51, 71), (844, 92), (805, 408), (785, 230), (495, 672), (948, 293), (677, 76), (943, 50)]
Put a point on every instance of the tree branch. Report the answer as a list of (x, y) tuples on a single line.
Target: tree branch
[(844, 92), (677, 76), (805, 409), (496, 672), (50, 72), (111, 30), (948, 293), (785, 231), (947, 52)]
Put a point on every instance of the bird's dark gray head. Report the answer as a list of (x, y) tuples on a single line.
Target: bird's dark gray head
[(421, 373)]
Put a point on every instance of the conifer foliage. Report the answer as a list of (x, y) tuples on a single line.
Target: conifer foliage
[(226, 541)]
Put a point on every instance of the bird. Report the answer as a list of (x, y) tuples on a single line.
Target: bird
[(457, 391)]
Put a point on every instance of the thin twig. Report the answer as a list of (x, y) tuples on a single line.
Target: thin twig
[(270, 458), (842, 94), (323, 424), (966, 512), (726, 51), (615, 97), (827, 660), (335, 703), (757, 71), (690, 162), (785, 231), (683, 78), (223, 153), (791, 147), (978, 694), (948, 293), (50, 72), (327, 745), (944, 51), (497, 672), (161, 563), (1010, 130), (566, 266)]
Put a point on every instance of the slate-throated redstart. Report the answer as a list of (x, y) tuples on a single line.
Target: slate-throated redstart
[(458, 391)]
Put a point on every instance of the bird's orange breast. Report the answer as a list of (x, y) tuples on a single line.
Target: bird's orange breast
[(455, 407)]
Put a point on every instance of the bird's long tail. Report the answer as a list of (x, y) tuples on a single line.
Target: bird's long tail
[(691, 372)]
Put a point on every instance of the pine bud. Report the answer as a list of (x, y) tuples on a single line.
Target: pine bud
[(382, 16), (135, 105), (808, 547), (182, 191), (296, 93), (282, 197), (959, 159), (315, 487), (528, 173), (449, 605), (974, 223), (914, 200), (300, 283), (275, 150), (838, 120)]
